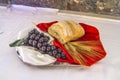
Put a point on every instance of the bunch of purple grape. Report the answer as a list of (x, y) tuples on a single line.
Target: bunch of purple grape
[(40, 41)]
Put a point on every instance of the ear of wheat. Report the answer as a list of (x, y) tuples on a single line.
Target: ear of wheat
[(85, 52)]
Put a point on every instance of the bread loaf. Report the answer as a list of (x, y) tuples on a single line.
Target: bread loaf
[(66, 31)]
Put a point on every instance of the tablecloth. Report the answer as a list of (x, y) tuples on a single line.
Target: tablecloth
[(14, 19)]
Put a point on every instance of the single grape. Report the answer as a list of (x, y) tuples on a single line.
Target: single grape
[(62, 54), (46, 38), (32, 36), (57, 55), (50, 53), (39, 45), (53, 47), (36, 31), (43, 48), (37, 37), (54, 52), (31, 32), (30, 42), (34, 43), (41, 39), (63, 57), (42, 34), (48, 48), (59, 50), (44, 44)]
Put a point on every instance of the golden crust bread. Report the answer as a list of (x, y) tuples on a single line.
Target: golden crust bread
[(66, 31)]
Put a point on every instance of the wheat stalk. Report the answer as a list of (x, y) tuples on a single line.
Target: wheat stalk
[(81, 50)]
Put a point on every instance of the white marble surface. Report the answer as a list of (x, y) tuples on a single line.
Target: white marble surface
[(15, 19)]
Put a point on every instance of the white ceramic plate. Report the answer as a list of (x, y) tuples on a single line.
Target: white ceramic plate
[(31, 56)]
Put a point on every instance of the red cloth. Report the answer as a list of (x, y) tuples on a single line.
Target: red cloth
[(91, 33)]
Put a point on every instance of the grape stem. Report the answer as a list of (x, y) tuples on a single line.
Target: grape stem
[(19, 42)]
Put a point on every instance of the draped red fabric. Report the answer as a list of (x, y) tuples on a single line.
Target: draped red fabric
[(91, 33)]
